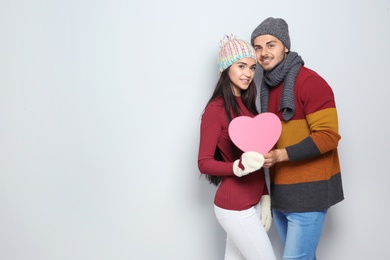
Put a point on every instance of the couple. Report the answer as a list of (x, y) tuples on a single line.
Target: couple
[(304, 166)]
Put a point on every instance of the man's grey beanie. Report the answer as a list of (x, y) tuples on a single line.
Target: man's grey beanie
[(274, 26)]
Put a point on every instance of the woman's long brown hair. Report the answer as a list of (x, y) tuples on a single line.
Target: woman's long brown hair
[(224, 89)]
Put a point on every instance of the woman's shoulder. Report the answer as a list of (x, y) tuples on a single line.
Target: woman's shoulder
[(217, 102), (215, 108)]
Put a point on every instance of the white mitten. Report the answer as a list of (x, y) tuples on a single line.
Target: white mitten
[(265, 209), (249, 162)]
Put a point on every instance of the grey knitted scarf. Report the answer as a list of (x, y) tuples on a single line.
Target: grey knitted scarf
[(287, 70)]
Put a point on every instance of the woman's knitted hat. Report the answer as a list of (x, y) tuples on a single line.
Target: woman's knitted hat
[(273, 26), (232, 50)]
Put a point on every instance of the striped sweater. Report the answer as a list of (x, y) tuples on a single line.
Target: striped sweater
[(311, 180)]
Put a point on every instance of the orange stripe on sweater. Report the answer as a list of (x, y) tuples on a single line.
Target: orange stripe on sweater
[(324, 126), (293, 132), (315, 169)]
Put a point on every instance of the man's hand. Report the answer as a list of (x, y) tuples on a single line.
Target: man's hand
[(275, 156)]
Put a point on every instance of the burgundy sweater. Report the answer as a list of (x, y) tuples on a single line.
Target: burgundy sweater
[(233, 193)]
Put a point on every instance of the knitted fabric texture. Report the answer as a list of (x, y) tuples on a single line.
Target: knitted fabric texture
[(287, 70), (232, 50), (273, 26)]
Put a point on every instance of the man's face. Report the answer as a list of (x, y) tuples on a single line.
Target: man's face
[(269, 51)]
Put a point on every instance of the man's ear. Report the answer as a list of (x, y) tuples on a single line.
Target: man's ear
[(286, 50)]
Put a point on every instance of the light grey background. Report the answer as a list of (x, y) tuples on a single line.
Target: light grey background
[(100, 105)]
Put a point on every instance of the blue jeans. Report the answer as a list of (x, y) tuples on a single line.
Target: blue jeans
[(300, 233)]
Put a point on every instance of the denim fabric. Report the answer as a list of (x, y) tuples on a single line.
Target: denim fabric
[(299, 232)]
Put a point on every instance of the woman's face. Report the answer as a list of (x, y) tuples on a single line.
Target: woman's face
[(241, 74)]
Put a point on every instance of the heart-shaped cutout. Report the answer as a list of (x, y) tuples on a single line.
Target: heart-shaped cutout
[(258, 134)]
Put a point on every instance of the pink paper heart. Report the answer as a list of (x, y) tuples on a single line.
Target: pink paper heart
[(258, 134)]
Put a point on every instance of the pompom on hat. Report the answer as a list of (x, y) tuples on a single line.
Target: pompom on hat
[(273, 26), (232, 50)]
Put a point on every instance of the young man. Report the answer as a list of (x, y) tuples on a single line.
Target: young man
[(304, 166)]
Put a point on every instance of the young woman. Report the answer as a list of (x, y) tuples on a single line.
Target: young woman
[(242, 203)]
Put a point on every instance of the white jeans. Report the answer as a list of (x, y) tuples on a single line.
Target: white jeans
[(246, 236)]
